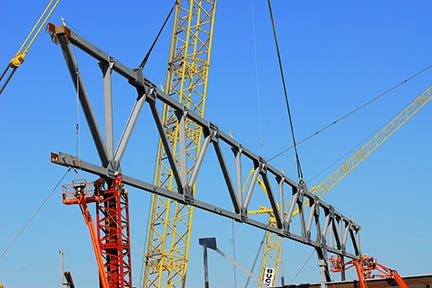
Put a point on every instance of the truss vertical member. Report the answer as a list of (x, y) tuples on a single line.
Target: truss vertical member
[(168, 244), (110, 239), (320, 225)]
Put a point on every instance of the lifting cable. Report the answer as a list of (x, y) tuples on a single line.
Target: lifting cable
[(78, 117), (144, 61), (301, 269), (346, 154), (257, 76), (353, 111), (299, 170), (256, 258), (33, 216)]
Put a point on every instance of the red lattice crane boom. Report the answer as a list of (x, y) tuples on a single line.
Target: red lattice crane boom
[(110, 237)]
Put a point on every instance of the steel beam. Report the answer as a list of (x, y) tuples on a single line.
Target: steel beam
[(336, 227)]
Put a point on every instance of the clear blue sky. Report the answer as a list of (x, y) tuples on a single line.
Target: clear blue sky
[(337, 55)]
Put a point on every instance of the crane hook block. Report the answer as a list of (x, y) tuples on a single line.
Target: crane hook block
[(17, 60)]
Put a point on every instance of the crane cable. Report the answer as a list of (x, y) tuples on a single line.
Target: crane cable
[(18, 59), (301, 269), (78, 117), (33, 216), (144, 61), (256, 258), (261, 143), (299, 170), (354, 110)]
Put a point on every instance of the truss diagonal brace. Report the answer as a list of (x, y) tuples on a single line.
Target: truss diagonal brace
[(342, 229), (83, 98)]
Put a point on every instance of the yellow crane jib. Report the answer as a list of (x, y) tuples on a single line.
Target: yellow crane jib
[(272, 249), (397, 122), (18, 59)]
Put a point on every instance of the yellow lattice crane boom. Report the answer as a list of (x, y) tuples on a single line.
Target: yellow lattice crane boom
[(373, 143), (272, 249), (18, 59), (167, 252)]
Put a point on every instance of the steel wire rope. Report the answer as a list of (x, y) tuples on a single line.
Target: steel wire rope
[(353, 111), (301, 268), (256, 258), (346, 154), (33, 216), (140, 68), (145, 59), (261, 142), (299, 170), (78, 122)]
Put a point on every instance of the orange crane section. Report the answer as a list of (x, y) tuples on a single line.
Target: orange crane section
[(78, 193), (110, 235), (364, 268)]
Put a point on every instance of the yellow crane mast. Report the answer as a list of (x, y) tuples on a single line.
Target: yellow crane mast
[(18, 59), (272, 249), (167, 252)]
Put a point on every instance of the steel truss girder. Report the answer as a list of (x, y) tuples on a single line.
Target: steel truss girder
[(333, 230)]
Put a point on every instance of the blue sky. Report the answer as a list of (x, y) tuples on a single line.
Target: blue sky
[(337, 55)]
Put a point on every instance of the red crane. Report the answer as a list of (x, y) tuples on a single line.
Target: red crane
[(364, 268), (110, 238)]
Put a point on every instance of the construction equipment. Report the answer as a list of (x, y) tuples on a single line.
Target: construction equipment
[(168, 244), (365, 266), (272, 250), (110, 239), (337, 233), (18, 59)]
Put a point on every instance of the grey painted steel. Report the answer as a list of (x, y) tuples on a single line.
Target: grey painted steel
[(167, 146), (323, 265), (206, 243), (84, 100), (129, 128), (182, 140), (108, 110), (336, 227)]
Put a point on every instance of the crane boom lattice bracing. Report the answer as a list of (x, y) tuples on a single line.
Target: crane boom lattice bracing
[(272, 248), (171, 222), (373, 143), (111, 238)]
